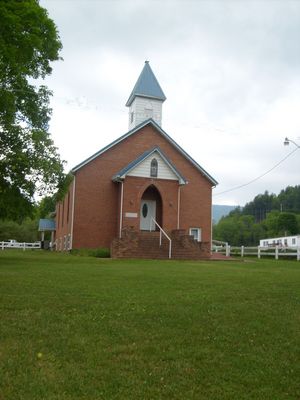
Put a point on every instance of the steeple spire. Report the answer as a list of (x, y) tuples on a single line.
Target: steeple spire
[(146, 98)]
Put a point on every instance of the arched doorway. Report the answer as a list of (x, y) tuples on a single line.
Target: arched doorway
[(151, 207)]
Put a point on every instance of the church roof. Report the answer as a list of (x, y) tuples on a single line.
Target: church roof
[(124, 171), (146, 86), (149, 121)]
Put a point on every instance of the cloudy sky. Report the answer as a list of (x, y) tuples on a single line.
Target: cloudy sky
[(230, 71)]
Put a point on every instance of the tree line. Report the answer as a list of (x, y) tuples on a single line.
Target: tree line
[(267, 215)]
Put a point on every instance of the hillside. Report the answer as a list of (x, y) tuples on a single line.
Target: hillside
[(220, 211), (267, 215)]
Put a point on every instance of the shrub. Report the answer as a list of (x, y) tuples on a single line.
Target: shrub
[(99, 252), (102, 253)]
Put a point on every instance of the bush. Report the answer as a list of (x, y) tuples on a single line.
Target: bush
[(99, 252)]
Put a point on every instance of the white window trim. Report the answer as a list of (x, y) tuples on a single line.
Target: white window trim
[(199, 234)]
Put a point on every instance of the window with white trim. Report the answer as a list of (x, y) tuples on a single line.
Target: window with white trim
[(196, 233)]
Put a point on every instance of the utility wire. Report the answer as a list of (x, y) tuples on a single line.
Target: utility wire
[(258, 177)]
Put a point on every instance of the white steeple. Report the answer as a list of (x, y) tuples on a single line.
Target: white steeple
[(146, 98)]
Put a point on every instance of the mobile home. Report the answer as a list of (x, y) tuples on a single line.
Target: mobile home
[(284, 241)]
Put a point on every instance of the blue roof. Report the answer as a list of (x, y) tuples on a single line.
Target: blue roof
[(121, 174), (46, 225), (146, 86)]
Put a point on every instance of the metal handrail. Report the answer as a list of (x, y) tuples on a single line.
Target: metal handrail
[(160, 235)]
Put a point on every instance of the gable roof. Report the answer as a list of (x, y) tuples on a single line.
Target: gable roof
[(149, 121), (146, 86), (124, 171)]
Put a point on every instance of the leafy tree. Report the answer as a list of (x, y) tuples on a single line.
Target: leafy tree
[(46, 206), (29, 161), (27, 231), (238, 230), (298, 222), (270, 224), (289, 199), (227, 230), (261, 205), (287, 224)]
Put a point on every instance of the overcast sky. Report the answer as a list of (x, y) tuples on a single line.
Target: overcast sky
[(230, 71)]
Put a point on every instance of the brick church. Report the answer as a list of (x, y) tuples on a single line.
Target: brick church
[(142, 195)]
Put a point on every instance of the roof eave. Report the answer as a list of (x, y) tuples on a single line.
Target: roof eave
[(134, 95)]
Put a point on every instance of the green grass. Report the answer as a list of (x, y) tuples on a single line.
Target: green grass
[(85, 328)]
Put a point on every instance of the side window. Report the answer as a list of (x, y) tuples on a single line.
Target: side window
[(154, 168), (196, 233)]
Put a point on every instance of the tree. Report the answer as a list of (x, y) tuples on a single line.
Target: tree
[(29, 161), (261, 205), (289, 199), (46, 206), (25, 232), (287, 223), (227, 230), (270, 224)]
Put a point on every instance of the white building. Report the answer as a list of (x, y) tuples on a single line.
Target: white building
[(284, 241)]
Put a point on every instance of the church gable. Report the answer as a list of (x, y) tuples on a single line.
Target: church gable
[(151, 164), (137, 130), (153, 167)]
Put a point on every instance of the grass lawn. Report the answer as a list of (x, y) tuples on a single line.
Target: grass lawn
[(85, 328)]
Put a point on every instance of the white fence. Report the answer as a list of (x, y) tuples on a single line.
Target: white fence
[(259, 251), (17, 245)]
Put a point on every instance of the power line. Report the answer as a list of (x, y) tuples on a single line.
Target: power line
[(258, 177)]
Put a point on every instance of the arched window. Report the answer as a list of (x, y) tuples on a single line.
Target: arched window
[(154, 168)]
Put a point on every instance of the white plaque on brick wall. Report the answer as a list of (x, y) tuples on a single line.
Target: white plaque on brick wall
[(131, 215)]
